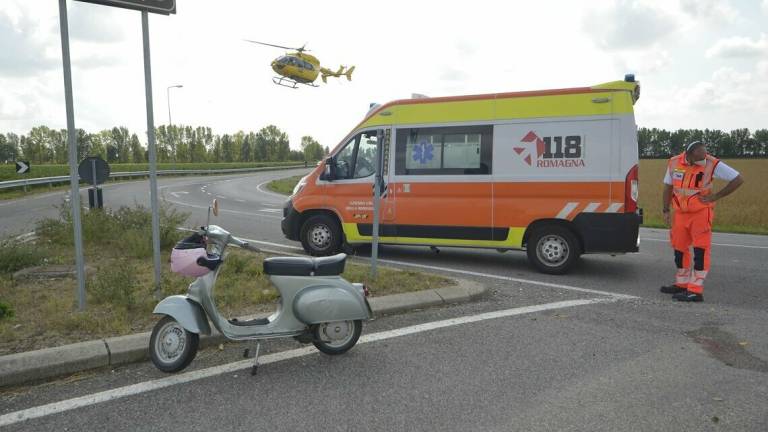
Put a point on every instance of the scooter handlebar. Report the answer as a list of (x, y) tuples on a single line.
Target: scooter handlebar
[(243, 244)]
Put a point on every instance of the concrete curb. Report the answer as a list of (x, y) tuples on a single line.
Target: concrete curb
[(51, 362)]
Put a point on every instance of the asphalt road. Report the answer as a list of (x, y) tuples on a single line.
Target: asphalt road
[(598, 349)]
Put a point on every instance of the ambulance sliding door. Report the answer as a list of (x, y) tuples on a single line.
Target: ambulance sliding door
[(442, 185)]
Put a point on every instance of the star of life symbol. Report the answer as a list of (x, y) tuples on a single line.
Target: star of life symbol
[(530, 143), (422, 152)]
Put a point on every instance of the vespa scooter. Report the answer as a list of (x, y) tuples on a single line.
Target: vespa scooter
[(316, 304)]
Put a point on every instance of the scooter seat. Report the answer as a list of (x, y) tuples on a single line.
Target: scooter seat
[(305, 266)]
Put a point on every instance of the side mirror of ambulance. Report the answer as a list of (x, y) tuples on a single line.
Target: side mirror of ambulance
[(328, 173)]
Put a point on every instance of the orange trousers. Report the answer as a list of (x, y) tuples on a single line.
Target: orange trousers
[(692, 230)]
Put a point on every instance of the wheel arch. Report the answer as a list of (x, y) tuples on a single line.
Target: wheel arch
[(539, 223)]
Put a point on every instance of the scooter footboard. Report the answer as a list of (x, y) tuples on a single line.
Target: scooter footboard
[(187, 312), (325, 303)]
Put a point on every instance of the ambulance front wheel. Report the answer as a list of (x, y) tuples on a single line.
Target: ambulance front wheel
[(553, 249), (320, 235)]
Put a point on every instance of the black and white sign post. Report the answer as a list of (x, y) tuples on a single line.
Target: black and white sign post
[(72, 148), (22, 167)]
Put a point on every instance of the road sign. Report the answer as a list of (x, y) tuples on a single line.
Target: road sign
[(22, 167), (93, 170), (164, 7)]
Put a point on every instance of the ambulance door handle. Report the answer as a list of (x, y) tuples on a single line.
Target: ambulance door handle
[(601, 100)]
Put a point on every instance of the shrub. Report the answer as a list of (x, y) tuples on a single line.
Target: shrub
[(127, 228), (116, 285), (15, 257), (6, 311)]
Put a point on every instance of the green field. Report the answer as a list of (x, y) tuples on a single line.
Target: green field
[(8, 171), (744, 211)]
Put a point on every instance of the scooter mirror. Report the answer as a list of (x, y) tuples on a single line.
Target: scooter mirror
[(215, 207)]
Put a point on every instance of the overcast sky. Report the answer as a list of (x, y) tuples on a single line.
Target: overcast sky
[(701, 63)]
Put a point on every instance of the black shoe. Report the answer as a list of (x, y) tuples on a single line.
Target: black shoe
[(688, 296), (672, 289)]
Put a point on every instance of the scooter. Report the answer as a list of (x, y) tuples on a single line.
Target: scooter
[(316, 304)]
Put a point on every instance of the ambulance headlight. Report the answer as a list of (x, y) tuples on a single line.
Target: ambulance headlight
[(299, 186)]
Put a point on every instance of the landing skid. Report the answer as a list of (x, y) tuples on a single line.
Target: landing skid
[(287, 82)]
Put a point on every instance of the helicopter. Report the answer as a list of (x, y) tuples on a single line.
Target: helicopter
[(298, 67)]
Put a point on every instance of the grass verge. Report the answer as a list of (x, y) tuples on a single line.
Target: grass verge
[(284, 186), (120, 298)]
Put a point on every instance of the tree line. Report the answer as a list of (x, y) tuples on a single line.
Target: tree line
[(738, 143), (182, 144), (175, 144)]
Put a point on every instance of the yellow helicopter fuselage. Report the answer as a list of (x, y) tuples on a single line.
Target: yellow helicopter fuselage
[(300, 67)]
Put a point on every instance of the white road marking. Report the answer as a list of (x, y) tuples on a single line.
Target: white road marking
[(226, 211), (471, 273), (221, 196), (714, 244), (511, 279), (567, 210), (259, 187), (176, 194), (271, 210), (240, 201), (147, 386)]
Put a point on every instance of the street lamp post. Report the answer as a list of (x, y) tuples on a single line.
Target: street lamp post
[(168, 98)]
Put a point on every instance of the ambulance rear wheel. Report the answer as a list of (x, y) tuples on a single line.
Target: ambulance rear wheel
[(553, 249), (320, 235)]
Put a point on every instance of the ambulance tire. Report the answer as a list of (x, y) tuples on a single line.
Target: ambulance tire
[(553, 249), (321, 235)]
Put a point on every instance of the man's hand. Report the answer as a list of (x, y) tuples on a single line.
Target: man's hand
[(666, 218), (708, 198)]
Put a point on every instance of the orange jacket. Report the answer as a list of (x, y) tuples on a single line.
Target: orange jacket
[(689, 182)]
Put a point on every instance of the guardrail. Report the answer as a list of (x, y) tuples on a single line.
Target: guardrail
[(129, 174)]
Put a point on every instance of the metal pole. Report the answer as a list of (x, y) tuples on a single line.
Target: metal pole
[(170, 138), (152, 151), (376, 202), (74, 198)]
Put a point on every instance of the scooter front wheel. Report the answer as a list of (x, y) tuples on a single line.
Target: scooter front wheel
[(336, 337), (171, 346)]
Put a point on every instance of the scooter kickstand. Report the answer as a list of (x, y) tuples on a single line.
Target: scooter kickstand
[(255, 368)]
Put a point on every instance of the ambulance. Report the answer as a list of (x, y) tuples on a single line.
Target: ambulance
[(551, 172)]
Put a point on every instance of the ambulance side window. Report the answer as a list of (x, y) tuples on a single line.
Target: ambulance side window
[(458, 150), (345, 160), (358, 158)]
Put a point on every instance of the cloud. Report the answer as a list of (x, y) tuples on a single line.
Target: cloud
[(24, 53), (453, 74), (738, 46), (715, 10), (765, 6), (762, 70), (644, 63), (94, 23), (628, 25)]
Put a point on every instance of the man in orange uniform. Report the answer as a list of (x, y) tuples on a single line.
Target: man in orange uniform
[(688, 187)]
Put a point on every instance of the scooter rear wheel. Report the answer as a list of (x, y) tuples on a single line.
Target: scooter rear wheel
[(336, 337), (171, 347)]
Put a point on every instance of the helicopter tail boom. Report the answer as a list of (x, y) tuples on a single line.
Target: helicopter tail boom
[(325, 73)]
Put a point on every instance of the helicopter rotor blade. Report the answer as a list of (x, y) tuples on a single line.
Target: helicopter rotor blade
[(277, 46)]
